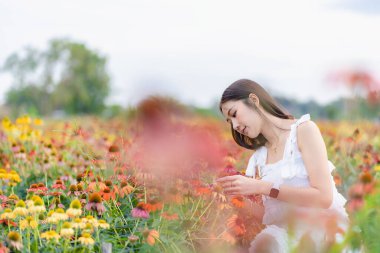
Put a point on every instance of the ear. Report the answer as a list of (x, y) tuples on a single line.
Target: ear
[(254, 99)]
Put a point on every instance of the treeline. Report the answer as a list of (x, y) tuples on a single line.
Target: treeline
[(341, 109), (68, 78)]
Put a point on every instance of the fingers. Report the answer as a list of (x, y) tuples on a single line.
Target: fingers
[(226, 179), (232, 190)]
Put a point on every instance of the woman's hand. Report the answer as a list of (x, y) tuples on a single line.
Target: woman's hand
[(240, 185)]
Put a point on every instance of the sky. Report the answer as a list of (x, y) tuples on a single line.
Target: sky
[(193, 50)]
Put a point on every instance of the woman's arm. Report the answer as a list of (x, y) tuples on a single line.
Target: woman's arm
[(314, 154)]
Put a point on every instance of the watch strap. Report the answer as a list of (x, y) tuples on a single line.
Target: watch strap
[(275, 190)]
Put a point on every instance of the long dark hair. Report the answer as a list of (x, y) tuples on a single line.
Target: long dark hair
[(240, 90)]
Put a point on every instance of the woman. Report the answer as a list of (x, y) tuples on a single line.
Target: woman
[(289, 168)]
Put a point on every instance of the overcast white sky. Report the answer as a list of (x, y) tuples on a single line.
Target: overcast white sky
[(194, 49)]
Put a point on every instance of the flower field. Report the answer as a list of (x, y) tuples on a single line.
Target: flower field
[(148, 185)]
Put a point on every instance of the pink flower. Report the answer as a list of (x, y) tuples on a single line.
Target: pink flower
[(95, 203), (99, 207), (140, 212)]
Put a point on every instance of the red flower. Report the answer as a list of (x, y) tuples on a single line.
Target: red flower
[(203, 191), (6, 223), (238, 201), (59, 185), (236, 225)]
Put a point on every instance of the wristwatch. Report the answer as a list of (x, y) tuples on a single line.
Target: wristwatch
[(275, 190)]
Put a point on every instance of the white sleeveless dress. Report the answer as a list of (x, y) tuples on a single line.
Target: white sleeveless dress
[(291, 171)]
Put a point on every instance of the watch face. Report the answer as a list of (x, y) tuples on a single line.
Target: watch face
[(273, 193)]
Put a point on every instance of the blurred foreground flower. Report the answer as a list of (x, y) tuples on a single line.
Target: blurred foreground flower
[(14, 240), (151, 236)]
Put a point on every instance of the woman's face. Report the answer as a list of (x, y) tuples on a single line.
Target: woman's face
[(244, 119)]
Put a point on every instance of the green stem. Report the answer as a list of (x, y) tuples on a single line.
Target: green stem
[(76, 238), (130, 201), (119, 210), (196, 208), (134, 229), (204, 211), (28, 236)]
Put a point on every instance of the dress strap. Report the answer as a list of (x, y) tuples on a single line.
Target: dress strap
[(293, 128), (303, 118), (290, 171)]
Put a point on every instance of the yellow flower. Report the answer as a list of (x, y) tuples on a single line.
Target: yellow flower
[(50, 235), (35, 134), (29, 222), (6, 123), (75, 209), (90, 219), (377, 167), (24, 137), (20, 209), (38, 205), (86, 239), (78, 223), (103, 224), (38, 122), (37, 209), (29, 203), (14, 177), (60, 214), (66, 230), (89, 228), (52, 220), (71, 212), (3, 173), (14, 240), (8, 214), (13, 197), (24, 120)]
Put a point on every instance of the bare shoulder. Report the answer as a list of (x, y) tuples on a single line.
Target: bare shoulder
[(308, 133)]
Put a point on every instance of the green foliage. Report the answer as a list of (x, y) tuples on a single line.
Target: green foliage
[(67, 76), (366, 225)]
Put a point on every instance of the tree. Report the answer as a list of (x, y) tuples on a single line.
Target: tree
[(66, 76)]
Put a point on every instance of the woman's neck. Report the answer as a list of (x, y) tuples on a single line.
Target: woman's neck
[(273, 134)]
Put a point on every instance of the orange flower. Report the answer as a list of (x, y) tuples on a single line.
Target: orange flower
[(153, 205), (168, 216), (202, 191), (238, 201), (151, 236), (96, 186), (337, 180), (173, 196), (365, 177), (236, 225), (107, 194), (124, 189)]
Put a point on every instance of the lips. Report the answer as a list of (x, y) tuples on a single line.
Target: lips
[(244, 130)]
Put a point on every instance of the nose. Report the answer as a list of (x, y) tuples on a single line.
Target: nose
[(236, 126)]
